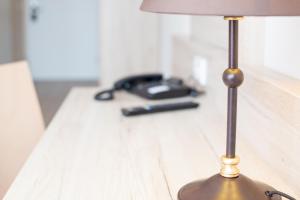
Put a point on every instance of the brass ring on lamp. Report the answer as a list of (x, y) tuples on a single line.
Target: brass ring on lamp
[(233, 18), (230, 167)]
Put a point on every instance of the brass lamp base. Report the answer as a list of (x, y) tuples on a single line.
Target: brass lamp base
[(221, 188)]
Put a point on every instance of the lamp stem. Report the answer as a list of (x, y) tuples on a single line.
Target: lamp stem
[(233, 77), (233, 43), (232, 91)]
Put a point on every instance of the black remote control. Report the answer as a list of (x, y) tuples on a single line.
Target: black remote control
[(150, 109)]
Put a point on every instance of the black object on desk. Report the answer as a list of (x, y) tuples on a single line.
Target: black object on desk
[(149, 86), (150, 109)]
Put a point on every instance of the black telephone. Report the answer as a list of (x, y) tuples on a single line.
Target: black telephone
[(149, 86)]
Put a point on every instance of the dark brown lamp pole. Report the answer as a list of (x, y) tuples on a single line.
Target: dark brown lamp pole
[(233, 78)]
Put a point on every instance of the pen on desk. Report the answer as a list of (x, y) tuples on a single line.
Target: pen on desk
[(150, 109)]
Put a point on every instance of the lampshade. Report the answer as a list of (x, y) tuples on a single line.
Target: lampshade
[(225, 7)]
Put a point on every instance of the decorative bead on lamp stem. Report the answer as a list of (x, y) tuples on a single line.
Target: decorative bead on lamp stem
[(233, 78)]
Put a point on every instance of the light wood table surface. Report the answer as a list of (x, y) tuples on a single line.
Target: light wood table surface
[(91, 152)]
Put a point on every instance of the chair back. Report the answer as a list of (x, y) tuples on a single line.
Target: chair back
[(21, 121)]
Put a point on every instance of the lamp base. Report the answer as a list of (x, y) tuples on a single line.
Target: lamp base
[(221, 188)]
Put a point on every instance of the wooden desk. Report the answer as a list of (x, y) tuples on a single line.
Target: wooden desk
[(91, 152)]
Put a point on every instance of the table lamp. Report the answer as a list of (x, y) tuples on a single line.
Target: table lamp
[(229, 184)]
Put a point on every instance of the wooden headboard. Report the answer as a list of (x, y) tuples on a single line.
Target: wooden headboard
[(268, 114)]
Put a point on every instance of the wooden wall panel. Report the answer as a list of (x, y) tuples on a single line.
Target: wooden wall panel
[(12, 34), (18, 16), (268, 114), (5, 31)]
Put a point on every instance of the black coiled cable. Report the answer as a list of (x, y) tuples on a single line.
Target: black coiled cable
[(272, 193)]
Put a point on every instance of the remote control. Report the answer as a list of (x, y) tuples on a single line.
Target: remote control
[(150, 109)]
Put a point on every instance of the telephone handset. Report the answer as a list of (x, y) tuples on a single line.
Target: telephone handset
[(149, 86), (132, 81), (127, 84)]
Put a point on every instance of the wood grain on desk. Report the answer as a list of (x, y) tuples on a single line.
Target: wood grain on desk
[(91, 152)]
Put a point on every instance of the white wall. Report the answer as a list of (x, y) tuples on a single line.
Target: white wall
[(5, 31), (171, 25), (270, 42), (129, 40), (212, 30), (252, 45), (282, 42)]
